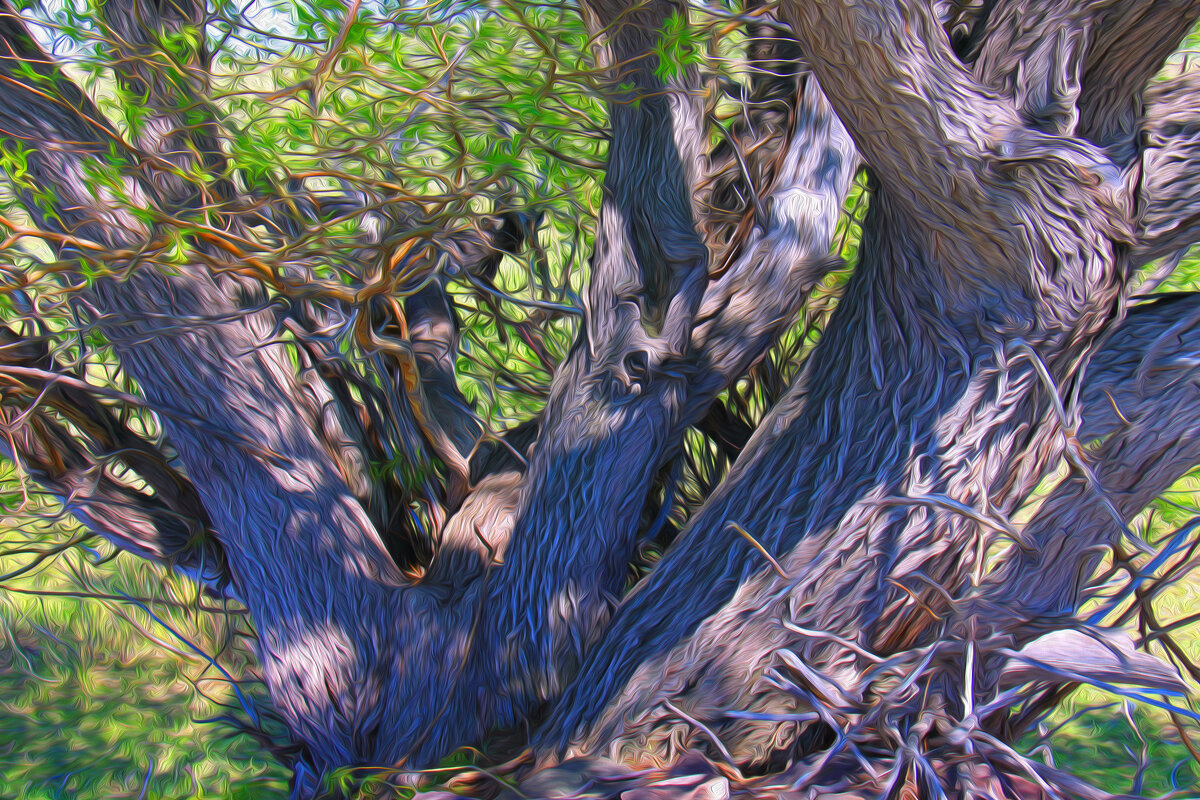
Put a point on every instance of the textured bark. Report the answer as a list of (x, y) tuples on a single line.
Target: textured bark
[(1131, 42), (649, 269), (1171, 219), (980, 279), (165, 522), (1141, 398), (1012, 195), (620, 403), (305, 559)]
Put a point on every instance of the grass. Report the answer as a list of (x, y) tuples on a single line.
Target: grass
[(1115, 745), (100, 700)]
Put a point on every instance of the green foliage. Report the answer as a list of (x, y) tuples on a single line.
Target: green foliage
[(679, 47)]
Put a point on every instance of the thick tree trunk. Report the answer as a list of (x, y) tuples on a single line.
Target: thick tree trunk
[(1006, 205), (549, 550), (283, 513), (304, 557), (992, 258)]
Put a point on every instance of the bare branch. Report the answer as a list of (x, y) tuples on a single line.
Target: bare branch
[(453, 429), (744, 164), (751, 304), (608, 414), (1142, 400), (1032, 52), (618, 409)]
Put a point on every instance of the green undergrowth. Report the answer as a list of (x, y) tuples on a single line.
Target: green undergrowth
[(105, 698)]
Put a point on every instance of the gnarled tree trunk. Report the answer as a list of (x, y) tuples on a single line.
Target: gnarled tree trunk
[(830, 599)]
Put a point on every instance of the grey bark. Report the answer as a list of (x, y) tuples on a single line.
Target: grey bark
[(336, 705), (1171, 219), (1139, 400), (623, 398), (304, 557), (980, 284)]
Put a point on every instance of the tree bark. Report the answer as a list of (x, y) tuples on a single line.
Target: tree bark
[(304, 557), (981, 288), (1007, 212), (349, 624), (165, 522)]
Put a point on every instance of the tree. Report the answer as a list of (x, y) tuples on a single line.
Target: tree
[(852, 608)]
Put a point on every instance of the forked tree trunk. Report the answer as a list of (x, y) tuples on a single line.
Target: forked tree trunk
[(332, 614), (993, 256), (1008, 209)]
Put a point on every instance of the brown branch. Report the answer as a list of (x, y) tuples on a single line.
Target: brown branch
[(1077, 67), (455, 430), (744, 164), (1132, 41), (620, 402), (755, 299), (928, 130), (1033, 53)]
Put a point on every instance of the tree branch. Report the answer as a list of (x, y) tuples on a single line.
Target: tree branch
[(1140, 397), (305, 558), (160, 58), (617, 409), (743, 166), (1132, 41), (1170, 190), (167, 525), (927, 129), (979, 277), (747, 307), (607, 419)]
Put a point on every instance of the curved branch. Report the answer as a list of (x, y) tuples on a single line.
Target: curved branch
[(1132, 41), (1141, 397), (785, 257), (926, 127)]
